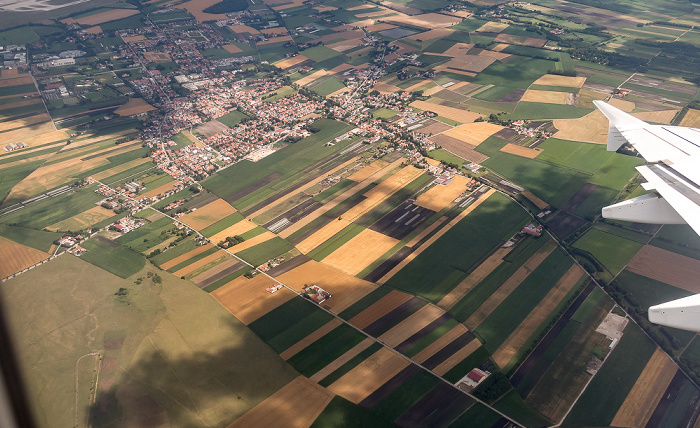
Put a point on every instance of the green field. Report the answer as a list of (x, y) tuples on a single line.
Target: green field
[(449, 259), (38, 239), (168, 343), (120, 260), (405, 396), (222, 225), (232, 119), (611, 250), (265, 251), (326, 349), (341, 413), (320, 53)]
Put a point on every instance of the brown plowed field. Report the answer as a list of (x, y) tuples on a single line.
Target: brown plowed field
[(539, 314), (333, 366), (438, 197), (111, 15), (200, 263), (556, 80), (208, 214), (196, 7), (369, 375), (16, 81), (231, 48), (535, 200), (179, 259), (525, 152), (440, 343), (134, 106), (462, 116), (509, 285), (457, 357), (311, 338), (247, 299), (665, 266), (346, 289), (646, 392), (298, 404), (427, 231), (437, 236), (411, 325), (238, 228), (22, 103), (473, 133), (380, 308), (16, 257), (477, 275), (360, 252), (339, 199)]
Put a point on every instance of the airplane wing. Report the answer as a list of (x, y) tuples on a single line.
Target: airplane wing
[(674, 176), (673, 173)]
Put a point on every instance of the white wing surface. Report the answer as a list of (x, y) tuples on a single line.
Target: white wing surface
[(673, 173)]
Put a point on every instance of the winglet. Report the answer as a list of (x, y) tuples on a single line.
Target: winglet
[(619, 121)]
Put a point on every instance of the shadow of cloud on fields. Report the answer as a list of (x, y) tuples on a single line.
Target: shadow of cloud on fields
[(193, 388)]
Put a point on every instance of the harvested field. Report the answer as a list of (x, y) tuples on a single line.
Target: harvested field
[(517, 40), (379, 27), (441, 342), (111, 15), (458, 49), (304, 81), (372, 198), (556, 80), (539, 314), (279, 39), (134, 106), (291, 62), (129, 39), (457, 357), (367, 171), (82, 220), (459, 148), (626, 106), (362, 6), (217, 272), (500, 47), (179, 259), (667, 267), (432, 34), (369, 375), (438, 196), (467, 64), (311, 338), (662, 116), (208, 214), (274, 31), (549, 97), (647, 391), (380, 308), (496, 55), (157, 56), (33, 136), (247, 299), (509, 285), (525, 152), (473, 133), (361, 251), (437, 236), (200, 263), (196, 8), (426, 20), (691, 118), (25, 122), (385, 88), (157, 191), (27, 102), (474, 278), (411, 325), (452, 113), (339, 199), (231, 48), (16, 257), (298, 404), (346, 289), (535, 200), (434, 127), (493, 27), (16, 81), (338, 362), (591, 128)]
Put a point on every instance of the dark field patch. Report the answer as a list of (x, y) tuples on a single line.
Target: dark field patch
[(289, 265), (200, 201), (531, 363), (673, 409), (434, 127), (295, 214), (511, 97), (253, 187), (390, 386), (564, 224), (440, 407), (579, 197), (448, 95), (402, 220), (388, 264), (408, 343), (459, 148), (506, 134), (106, 241), (386, 322), (212, 279), (210, 128), (448, 350)]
